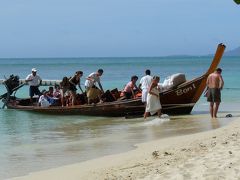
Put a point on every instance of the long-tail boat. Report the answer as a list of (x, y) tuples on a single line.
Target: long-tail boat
[(177, 100)]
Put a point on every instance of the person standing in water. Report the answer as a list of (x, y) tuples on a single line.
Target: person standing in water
[(153, 99), (215, 84)]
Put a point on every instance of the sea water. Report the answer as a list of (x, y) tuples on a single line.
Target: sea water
[(32, 142)]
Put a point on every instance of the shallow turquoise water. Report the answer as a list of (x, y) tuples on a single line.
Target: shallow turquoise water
[(117, 71), (31, 142)]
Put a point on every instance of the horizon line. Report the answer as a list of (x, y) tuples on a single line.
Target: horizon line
[(100, 57)]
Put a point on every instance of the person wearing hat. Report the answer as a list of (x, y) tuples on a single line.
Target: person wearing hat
[(34, 81)]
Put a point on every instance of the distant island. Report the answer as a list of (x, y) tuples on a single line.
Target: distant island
[(234, 52)]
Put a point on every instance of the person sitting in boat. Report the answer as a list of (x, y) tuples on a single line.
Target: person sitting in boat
[(90, 85), (53, 96), (44, 99), (50, 91), (153, 99), (57, 93), (34, 82), (131, 88), (64, 89), (74, 81)]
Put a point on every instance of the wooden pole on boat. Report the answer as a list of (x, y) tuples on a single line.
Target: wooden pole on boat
[(216, 60), (45, 82)]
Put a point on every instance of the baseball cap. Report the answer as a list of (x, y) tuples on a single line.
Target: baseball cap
[(34, 70)]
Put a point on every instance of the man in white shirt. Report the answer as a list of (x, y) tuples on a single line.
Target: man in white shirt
[(34, 81), (93, 78), (90, 83), (144, 85)]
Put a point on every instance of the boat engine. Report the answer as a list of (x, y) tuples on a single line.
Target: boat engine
[(11, 83)]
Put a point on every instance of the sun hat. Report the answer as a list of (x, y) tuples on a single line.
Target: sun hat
[(34, 70)]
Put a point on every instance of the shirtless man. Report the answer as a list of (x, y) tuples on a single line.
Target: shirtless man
[(214, 84)]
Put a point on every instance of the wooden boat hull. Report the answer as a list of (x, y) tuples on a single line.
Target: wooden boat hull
[(175, 101), (112, 109), (109, 110), (182, 99)]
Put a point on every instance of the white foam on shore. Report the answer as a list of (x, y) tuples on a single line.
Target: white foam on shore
[(157, 121)]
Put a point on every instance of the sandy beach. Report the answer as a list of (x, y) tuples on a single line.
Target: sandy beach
[(207, 155)]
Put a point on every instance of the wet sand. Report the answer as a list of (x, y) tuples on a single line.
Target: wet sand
[(206, 155)]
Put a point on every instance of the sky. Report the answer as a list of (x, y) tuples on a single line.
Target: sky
[(116, 28)]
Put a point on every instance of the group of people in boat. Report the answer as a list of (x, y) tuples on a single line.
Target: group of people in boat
[(66, 91)]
